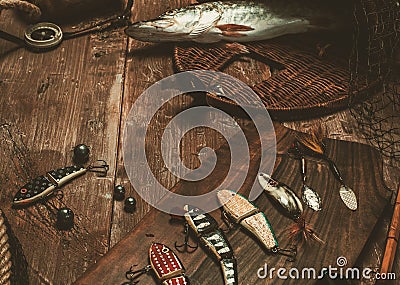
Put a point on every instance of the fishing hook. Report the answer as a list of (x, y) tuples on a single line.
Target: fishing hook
[(186, 247), (133, 275), (101, 169), (290, 252)]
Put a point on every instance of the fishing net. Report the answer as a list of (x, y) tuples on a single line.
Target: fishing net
[(313, 85), (309, 73), (373, 57)]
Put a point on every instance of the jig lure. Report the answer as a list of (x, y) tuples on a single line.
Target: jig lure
[(44, 185), (242, 212), (165, 264), (206, 229), (291, 205)]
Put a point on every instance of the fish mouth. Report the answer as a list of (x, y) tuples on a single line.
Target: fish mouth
[(157, 30), (155, 23)]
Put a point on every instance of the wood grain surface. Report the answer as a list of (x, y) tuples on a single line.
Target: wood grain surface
[(82, 92), (344, 232)]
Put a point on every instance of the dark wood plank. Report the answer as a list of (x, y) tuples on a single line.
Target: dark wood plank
[(338, 226), (148, 63), (50, 102), (73, 94)]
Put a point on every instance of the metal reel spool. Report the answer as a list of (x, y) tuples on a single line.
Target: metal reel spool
[(43, 36)]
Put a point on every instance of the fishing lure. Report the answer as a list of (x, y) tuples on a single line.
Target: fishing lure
[(242, 212), (313, 145), (206, 229), (308, 195), (291, 205), (44, 185), (166, 265)]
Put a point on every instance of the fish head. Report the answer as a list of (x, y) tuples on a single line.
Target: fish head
[(192, 210), (172, 26), (225, 195), (266, 181)]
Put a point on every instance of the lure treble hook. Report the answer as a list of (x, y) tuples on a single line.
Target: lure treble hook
[(132, 276), (186, 247), (101, 168), (290, 252)]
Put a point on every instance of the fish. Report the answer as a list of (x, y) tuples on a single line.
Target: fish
[(233, 21)]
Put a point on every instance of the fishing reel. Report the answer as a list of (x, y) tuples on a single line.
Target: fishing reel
[(45, 36)]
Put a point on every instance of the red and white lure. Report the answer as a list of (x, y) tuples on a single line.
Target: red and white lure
[(165, 264)]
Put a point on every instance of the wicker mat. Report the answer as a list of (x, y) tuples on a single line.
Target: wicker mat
[(306, 82)]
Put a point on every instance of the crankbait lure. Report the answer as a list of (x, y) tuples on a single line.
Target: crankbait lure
[(165, 264), (291, 205), (44, 185), (242, 212), (206, 229)]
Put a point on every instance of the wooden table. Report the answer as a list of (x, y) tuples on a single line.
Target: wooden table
[(81, 92)]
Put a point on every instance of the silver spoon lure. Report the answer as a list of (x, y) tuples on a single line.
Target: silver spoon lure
[(309, 196), (346, 193)]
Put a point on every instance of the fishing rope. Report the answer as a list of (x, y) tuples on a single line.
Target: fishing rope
[(5, 254), (32, 11)]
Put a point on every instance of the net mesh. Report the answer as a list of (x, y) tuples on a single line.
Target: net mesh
[(376, 42)]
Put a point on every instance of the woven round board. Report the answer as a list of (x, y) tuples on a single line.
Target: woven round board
[(307, 82)]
